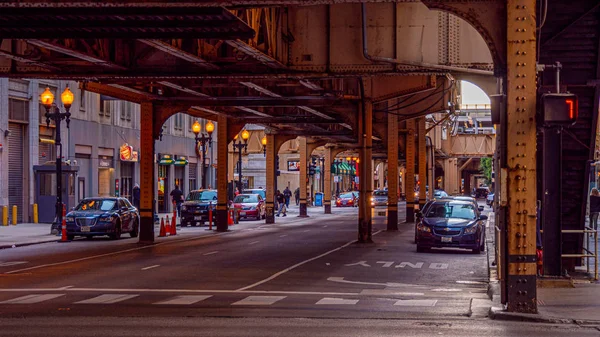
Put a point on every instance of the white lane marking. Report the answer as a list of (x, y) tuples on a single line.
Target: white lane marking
[(114, 253), (254, 242), (195, 291), (65, 288), (325, 226), (416, 303), (150, 267), (11, 263), (211, 253), (30, 299), (470, 282), (283, 236), (259, 300), (446, 289), (184, 300), (299, 264), (107, 299), (336, 301), (388, 284)]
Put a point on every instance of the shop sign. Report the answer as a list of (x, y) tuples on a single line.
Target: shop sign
[(126, 153), (181, 161), (293, 165), (105, 163), (166, 159)]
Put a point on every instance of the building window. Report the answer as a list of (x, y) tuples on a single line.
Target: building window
[(178, 121), (126, 108), (81, 100), (105, 107), (18, 110)]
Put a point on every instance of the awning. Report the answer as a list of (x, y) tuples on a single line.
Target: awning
[(181, 161), (166, 160)]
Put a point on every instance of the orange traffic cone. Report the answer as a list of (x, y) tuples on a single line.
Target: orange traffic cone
[(163, 231), (230, 217), (168, 225), (173, 230)]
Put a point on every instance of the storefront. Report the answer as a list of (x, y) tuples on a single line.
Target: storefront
[(128, 157), (105, 171), (164, 163), (180, 163)]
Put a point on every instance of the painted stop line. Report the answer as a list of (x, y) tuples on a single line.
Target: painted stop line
[(11, 263)]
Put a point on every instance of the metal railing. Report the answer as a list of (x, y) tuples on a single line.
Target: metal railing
[(587, 253)]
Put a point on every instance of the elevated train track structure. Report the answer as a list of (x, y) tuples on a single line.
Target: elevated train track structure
[(358, 75)]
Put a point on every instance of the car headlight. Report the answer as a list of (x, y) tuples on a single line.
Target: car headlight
[(423, 228), (106, 219), (184, 208), (70, 219), (471, 230)]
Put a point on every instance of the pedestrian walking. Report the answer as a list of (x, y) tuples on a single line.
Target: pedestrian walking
[(136, 196), (287, 194), (177, 197), (281, 203), (594, 208), (297, 196)]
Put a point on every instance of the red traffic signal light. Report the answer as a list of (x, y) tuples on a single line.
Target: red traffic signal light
[(560, 108)]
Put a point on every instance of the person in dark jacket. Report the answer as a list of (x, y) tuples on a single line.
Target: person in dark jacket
[(287, 194), (136, 196), (594, 208), (297, 196), (177, 197), (281, 202)]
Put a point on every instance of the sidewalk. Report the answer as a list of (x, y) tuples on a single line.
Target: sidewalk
[(579, 303), (25, 234)]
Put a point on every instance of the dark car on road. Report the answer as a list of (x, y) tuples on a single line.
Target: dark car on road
[(451, 223), (103, 216), (196, 208), (348, 199), (379, 198)]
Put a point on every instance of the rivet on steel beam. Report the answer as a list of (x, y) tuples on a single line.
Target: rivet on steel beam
[(524, 280), (524, 189), (518, 246), (524, 211), (524, 269), (518, 212), (524, 53), (518, 235), (518, 177), (524, 235), (523, 41), (519, 269)]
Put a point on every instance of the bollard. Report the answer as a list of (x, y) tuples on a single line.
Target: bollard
[(64, 224), (14, 215), (209, 218), (35, 213), (4, 215)]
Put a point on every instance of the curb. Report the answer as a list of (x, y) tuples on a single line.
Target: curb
[(15, 245), (500, 314)]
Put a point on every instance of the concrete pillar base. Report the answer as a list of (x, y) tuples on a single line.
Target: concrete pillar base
[(410, 212), (146, 229), (303, 210), (222, 221), (392, 219), (270, 215), (327, 209)]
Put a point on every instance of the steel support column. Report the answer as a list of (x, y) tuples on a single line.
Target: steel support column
[(365, 217), (521, 156), (409, 175), (303, 149), (422, 153), (222, 155), (392, 153), (147, 204), (327, 177), (271, 179)]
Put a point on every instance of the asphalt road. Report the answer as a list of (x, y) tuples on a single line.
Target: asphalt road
[(298, 268)]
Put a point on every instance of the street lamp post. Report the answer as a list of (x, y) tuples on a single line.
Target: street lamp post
[(263, 141), (239, 145), (202, 140), (322, 162), (53, 113)]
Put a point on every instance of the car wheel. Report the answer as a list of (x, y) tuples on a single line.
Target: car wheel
[(89, 237), (136, 229), (117, 234), (70, 237)]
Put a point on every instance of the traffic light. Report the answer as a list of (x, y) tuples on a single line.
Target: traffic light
[(560, 108), (311, 169), (277, 172)]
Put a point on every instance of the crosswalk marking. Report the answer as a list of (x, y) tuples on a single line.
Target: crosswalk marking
[(329, 300), (416, 303), (259, 300), (30, 299), (184, 300), (107, 299)]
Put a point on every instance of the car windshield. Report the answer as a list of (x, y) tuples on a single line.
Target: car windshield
[(451, 210), (202, 195), (380, 193), (347, 195), (246, 198), (96, 205)]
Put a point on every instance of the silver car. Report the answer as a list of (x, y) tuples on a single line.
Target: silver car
[(379, 198)]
